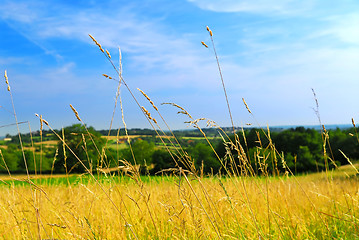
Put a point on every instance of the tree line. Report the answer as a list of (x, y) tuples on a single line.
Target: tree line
[(82, 149)]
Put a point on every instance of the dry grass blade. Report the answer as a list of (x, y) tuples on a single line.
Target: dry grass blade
[(350, 162), (76, 113), (7, 81), (41, 119), (148, 114), (99, 45), (183, 111), (204, 44), (148, 98), (222, 80), (244, 101), (107, 76), (108, 53), (209, 31)]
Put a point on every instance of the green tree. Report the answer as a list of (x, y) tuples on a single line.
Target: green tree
[(305, 160), (12, 155), (83, 148), (161, 159), (29, 156), (346, 142), (142, 150), (203, 153)]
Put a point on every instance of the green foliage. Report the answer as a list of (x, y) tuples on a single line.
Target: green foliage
[(303, 146), (203, 154), (12, 155), (302, 149), (161, 159), (111, 158), (142, 150), (29, 157), (305, 160), (347, 142), (83, 148)]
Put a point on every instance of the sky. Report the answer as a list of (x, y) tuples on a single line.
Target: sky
[(271, 53)]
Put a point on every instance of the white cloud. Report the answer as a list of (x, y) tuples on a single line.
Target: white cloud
[(20, 11), (259, 6), (343, 27), (148, 43)]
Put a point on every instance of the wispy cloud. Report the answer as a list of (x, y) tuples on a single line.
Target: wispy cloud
[(148, 44), (24, 11), (260, 6), (343, 27)]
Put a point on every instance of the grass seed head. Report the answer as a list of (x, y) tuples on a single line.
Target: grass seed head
[(209, 30), (175, 105), (41, 121), (76, 113), (353, 122), (7, 81), (148, 98), (107, 76), (47, 124), (324, 128), (144, 94), (148, 114), (145, 110), (93, 39), (180, 112), (246, 106), (6, 78), (108, 53), (99, 45), (204, 44)]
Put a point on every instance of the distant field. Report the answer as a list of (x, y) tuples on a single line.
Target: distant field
[(115, 146), (198, 138), (123, 137), (49, 143)]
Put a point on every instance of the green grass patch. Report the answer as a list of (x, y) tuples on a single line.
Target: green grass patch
[(74, 180)]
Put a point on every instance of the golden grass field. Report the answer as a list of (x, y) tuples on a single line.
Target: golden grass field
[(305, 207)]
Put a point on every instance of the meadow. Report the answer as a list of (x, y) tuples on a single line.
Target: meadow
[(238, 201), (315, 206)]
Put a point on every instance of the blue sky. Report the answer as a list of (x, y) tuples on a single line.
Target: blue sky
[(271, 52)]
